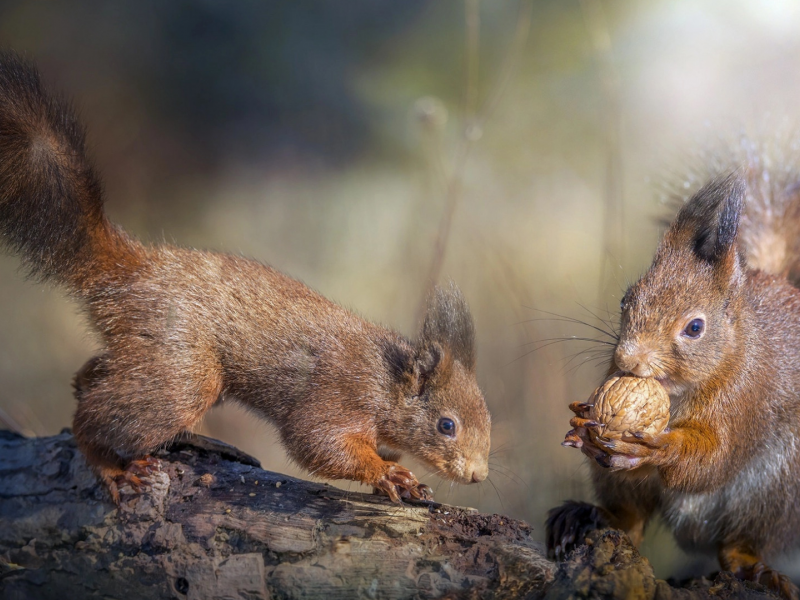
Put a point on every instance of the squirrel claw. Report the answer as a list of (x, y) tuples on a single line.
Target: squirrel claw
[(417, 492), (572, 439), (605, 443), (642, 439), (772, 579), (144, 466), (135, 477), (398, 483), (579, 408), (581, 422)]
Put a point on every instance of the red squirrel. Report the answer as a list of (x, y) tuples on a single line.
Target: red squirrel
[(183, 328), (716, 320)]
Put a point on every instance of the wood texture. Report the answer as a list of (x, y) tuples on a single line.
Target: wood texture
[(216, 526)]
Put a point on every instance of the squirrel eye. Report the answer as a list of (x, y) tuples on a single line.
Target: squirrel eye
[(695, 328), (446, 426)]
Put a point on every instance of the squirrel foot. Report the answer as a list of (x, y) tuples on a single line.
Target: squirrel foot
[(772, 579), (398, 482), (566, 526), (747, 566), (135, 476)]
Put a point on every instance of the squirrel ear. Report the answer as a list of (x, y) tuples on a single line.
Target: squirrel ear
[(414, 367), (449, 323), (711, 217)]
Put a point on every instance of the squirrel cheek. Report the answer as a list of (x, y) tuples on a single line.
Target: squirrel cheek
[(455, 468)]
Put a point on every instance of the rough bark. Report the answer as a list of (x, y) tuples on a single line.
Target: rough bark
[(215, 525), (609, 566)]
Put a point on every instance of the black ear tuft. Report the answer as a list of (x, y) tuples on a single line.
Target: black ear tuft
[(449, 322), (712, 216)]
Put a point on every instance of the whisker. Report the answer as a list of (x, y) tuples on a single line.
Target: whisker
[(542, 347), (591, 354), (496, 491), (570, 338), (511, 477), (607, 322), (568, 319), (563, 319), (500, 449)]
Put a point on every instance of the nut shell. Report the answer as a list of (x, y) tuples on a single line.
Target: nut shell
[(626, 404)]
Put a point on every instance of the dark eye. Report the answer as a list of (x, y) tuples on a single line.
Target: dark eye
[(695, 328), (446, 426)]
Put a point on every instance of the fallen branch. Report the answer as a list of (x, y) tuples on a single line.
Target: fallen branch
[(214, 525)]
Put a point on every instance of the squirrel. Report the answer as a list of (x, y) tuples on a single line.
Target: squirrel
[(716, 320), (183, 328)]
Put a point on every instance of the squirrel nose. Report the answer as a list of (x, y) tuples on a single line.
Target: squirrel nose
[(479, 474), (634, 360)]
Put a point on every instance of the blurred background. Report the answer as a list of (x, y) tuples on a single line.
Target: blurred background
[(366, 147)]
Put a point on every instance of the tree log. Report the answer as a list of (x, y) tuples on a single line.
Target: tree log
[(214, 525)]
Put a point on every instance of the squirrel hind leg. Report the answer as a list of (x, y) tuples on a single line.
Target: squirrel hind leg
[(567, 526), (126, 414), (746, 564), (114, 472), (92, 371)]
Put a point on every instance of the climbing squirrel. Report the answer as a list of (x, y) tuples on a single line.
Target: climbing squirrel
[(182, 329), (716, 320)]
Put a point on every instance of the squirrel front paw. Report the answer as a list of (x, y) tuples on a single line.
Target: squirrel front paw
[(399, 483), (624, 453), (631, 451)]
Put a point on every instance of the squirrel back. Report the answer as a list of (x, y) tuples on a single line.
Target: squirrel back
[(51, 202)]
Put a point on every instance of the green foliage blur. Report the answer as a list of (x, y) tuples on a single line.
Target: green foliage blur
[(329, 139)]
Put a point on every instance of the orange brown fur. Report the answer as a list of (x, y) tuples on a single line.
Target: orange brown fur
[(725, 475), (184, 328)]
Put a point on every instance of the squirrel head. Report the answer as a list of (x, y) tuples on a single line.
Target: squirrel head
[(679, 321), (440, 414)]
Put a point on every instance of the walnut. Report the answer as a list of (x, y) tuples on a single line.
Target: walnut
[(627, 404)]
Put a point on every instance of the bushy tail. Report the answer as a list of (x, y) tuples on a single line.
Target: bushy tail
[(770, 228), (769, 231), (51, 202)]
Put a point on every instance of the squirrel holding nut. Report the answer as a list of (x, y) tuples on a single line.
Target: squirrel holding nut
[(716, 322), (183, 329)]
